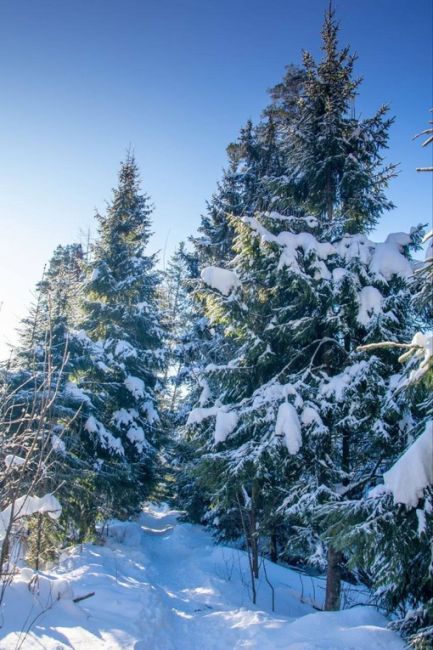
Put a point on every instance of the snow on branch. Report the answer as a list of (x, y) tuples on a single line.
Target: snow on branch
[(11, 460), (28, 505), (413, 472), (289, 427), (225, 422), (370, 304), (220, 279), (383, 259), (421, 347)]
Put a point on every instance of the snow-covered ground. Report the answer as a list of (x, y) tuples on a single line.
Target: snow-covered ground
[(164, 585)]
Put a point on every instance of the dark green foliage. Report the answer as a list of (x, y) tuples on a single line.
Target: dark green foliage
[(334, 160)]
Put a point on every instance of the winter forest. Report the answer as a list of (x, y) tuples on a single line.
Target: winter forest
[(245, 434)]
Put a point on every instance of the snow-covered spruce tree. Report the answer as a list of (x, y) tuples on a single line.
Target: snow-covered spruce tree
[(396, 517), (122, 338), (296, 308), (335, 169), (366, 427), (180, 321), (213, 246), (203, 343), (258, 154), (334, 160), (54, 309), (255, 160), (326, 311), (42, 348), (38, 382)]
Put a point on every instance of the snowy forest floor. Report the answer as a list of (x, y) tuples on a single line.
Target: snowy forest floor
[(164, 585)]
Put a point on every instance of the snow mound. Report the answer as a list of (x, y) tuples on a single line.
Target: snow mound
[(127, 533), (337, 385), (383, 259), (124, 417), (124, 350), (75, 393), (308, 244), (135, 434), (151, 412), (360, 627), (310, 416), (196, 416), (290, 243)]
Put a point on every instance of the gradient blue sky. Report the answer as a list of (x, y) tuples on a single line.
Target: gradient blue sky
[(81, 80)]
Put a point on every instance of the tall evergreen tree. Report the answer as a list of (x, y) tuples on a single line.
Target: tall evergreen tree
[(294, 301), (122, 338)]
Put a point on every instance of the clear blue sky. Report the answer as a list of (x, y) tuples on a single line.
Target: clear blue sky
[(81, 80)]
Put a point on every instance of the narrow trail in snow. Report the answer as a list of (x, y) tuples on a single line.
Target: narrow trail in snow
[(191, 587)]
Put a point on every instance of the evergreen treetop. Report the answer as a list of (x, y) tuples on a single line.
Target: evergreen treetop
[(335, 160)]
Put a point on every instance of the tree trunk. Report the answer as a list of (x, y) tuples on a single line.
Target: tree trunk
[(38, 541), (273, 550), (329, 200), (254, 533), (255, 554), (176, 383), (333, 580), (345, 460)]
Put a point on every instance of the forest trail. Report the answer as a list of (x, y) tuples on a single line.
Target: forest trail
[(164, 585)]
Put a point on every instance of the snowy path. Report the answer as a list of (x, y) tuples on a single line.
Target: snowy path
[(162, 585)]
